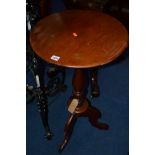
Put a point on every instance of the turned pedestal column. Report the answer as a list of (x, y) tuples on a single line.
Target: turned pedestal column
[(79, 105)]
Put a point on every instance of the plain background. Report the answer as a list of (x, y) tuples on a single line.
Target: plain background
[(13, 77)]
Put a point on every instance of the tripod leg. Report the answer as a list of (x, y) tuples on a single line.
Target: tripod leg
[(78, 96), (93, 115), (68, 131)]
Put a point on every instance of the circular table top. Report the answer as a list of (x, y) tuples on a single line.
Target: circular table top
[(79, 39)]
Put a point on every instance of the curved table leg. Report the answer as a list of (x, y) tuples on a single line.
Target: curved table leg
[(93, 115), (68, 131)]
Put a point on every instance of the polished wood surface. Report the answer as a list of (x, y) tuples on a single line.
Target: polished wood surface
[(81, 39)]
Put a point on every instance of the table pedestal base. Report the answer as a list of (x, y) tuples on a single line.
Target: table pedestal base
[(83, 108)]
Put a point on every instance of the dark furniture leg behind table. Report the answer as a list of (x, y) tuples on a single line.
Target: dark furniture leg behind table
[(41, 97), (79, 105), (32, 16), (95, 91)]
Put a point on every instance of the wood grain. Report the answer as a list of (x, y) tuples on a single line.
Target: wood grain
[(81, 39)]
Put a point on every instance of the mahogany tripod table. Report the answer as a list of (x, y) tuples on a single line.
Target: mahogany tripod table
[(81, 40)]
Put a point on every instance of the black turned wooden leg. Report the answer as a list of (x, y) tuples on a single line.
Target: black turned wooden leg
[(95, 91), (42, 100), (43, 110), (63, 86), (52, 73)]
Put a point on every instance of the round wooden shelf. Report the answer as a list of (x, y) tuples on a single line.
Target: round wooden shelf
[(79, 39)]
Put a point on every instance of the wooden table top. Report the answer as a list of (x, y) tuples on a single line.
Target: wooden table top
[(79, 39)]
